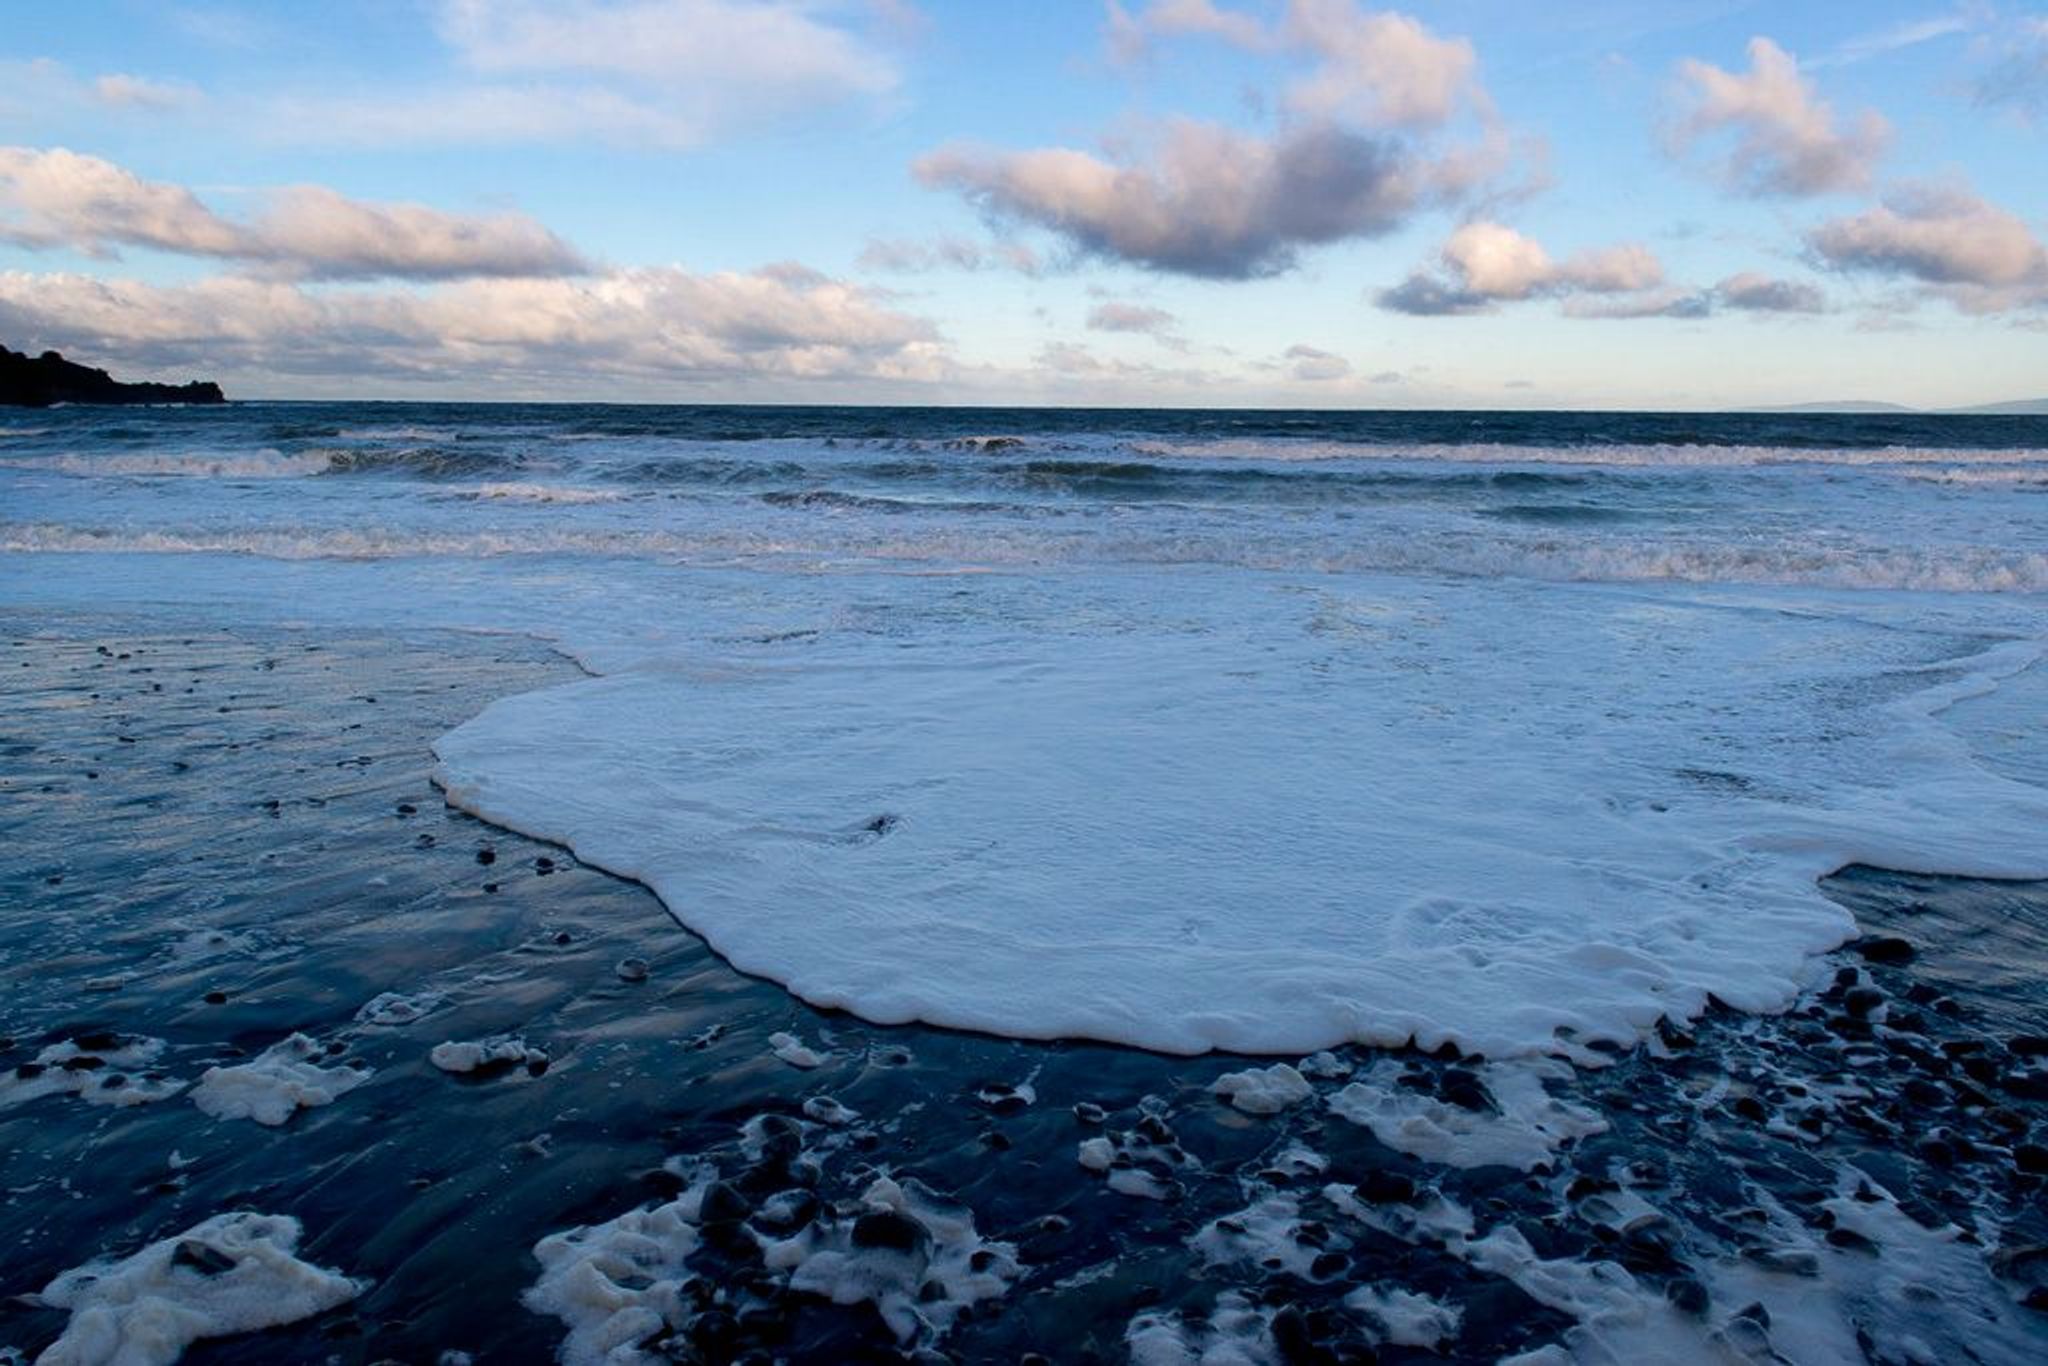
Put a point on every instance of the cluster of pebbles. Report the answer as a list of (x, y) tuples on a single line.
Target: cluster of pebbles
[(558, 1141)]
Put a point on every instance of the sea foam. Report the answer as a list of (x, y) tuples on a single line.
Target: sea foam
[(1516, 820)]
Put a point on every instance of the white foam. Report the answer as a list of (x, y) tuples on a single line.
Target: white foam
[(543, 493), (1480, 818), (263, 464), (1263, 1090), (393, 1010), (475, 1055), (919, 1292), (1525, 1132), (614, 1284), (795, 1051), (112, 1078), (1266, 1235), (275, 1085), (233, 1273), (1237, 1333), (1406, 1319)]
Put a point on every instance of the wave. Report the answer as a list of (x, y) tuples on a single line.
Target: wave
[(427, 462), (1956, 569), (542, 493), (261, 464)]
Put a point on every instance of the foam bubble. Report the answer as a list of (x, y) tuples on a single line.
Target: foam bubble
[(281, 1081), (233, 1273)]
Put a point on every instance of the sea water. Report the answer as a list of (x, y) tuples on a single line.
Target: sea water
[(1259, 732)]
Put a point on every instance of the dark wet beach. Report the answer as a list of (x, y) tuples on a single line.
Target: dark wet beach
[(220, 840)]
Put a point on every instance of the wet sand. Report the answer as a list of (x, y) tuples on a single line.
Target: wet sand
[(221, 840)]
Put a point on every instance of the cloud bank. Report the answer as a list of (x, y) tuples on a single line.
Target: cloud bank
[(659, 323), (59, 198), (1980, 257)]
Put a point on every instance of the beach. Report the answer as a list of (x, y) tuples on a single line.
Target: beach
[(520, 1111)]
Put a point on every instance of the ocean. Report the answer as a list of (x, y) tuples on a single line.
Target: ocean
[(1132, 884)]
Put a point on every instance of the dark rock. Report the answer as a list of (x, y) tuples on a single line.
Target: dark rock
[(38, 382), (1385, 1188), (215, 998), (1687, 1295), (1888, 949), (1088, 1112), (487, 857), (1919, 1091), (887, 1230), (631, 969), (1462, 1088), (723, 1205), (204, 1258), (1749, 1108), (2029, 1045), (2031, 1158)]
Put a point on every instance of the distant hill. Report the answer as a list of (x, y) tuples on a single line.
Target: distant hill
[(2019, 407), (39, 381), (1847, 405)]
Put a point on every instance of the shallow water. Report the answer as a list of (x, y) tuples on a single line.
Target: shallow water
[(1511, 734), (277, 867)]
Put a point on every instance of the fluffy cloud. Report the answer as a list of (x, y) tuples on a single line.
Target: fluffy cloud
[(783, 323), (1210, 201), (1488, 263), (1754, 293), (1981, 257), (1385, 69), (61, 198), (1353, 158), (1314, 365), (1786, 140)]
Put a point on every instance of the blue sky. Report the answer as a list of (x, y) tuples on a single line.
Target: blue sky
[(1286, 202)]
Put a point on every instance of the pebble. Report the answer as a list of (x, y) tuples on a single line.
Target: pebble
[(632, 969), (1887, 949)]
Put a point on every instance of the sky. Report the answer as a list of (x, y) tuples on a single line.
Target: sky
[(1685, 204)]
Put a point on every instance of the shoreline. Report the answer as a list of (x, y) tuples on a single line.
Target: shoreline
[(285, 835)]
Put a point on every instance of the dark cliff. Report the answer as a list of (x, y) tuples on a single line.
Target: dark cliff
[(39, 381)]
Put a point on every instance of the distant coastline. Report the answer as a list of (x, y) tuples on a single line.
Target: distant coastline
[(41, 381)]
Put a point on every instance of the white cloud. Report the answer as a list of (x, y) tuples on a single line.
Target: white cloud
[(905, 256), (1786, 140), (773, 48), (1376, 68), (1314, 365), (1352, 159), (1380, 68), (1980, 257), (659, 323), (665, 73), (55, 197), (1756, 293), (2017, 77), (1131, 34), (1115, 316), (1489, 263), (124, 91)]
